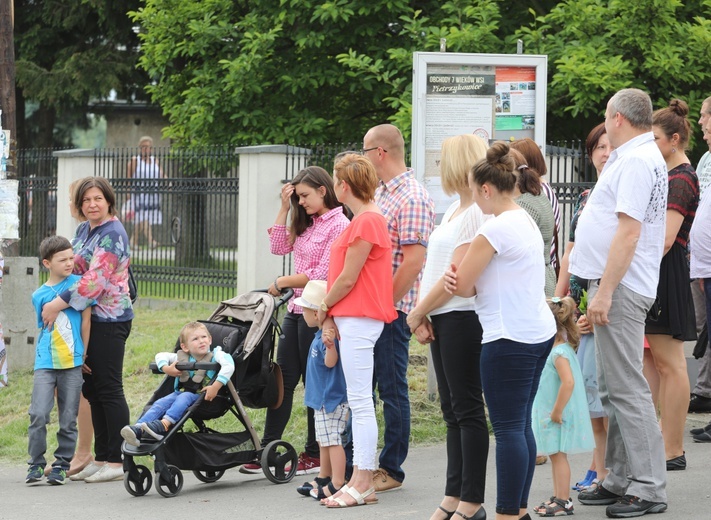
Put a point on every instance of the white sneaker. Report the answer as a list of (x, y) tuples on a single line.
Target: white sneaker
[(86, 472), (106, 474)]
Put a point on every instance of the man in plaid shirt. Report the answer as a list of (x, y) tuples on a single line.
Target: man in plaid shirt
[(410, 214)]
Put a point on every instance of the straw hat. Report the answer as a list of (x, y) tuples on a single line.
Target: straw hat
[(313, 295)]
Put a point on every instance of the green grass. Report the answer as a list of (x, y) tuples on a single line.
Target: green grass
[(155, 328)]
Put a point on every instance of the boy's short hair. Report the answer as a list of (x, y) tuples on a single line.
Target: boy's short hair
[(50, 246), (189, 327)]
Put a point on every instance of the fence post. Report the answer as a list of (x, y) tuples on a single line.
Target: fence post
[(261, 171), (72, 165)]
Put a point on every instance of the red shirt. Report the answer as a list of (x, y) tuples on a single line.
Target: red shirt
[(372, 294)]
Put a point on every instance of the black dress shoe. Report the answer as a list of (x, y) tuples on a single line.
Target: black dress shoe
[(598, 497), (479, 515), (630, 506), (699, 404), (702, 437), (699, 431), (677, 463)]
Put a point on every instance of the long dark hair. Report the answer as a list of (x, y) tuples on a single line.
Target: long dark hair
[(528, 181), (314, 177)]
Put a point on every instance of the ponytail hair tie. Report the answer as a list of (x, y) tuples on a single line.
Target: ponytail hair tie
[(523, 167)]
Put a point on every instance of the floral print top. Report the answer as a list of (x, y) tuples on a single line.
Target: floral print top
[(101, 258)]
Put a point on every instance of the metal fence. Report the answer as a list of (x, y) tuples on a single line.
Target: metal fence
[(195, 229)]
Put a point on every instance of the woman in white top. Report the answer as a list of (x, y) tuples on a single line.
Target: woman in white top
[(146, 199), (455, 334), (503, 267)]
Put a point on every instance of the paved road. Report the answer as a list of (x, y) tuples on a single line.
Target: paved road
[(238, 496)]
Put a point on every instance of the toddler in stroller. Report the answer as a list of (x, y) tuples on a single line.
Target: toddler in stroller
[(245, 327), (195, 341)]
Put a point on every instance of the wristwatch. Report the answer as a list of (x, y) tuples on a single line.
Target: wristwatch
[(323, 306)]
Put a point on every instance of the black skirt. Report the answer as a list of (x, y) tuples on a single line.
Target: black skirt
[(675, 307)]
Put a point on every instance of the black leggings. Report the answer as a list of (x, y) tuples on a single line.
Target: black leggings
[(103, 388), (456, 351), (292, 353)]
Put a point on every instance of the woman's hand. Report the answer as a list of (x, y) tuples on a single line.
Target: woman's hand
[(286, 192), (273, 290), (424, 333), (414, 320), (584, 325), (50, 311), (450, 279)]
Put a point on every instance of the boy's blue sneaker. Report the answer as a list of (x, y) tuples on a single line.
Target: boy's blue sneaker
[(155, 429), (34, 474), (57, 476), (132, 434)]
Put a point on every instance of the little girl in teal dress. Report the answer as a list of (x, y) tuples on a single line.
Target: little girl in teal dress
[(560, 416)]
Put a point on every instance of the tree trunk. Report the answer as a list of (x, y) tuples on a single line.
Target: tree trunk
[(7, 78)]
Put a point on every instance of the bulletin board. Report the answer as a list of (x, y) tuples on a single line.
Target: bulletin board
[(494, 96)]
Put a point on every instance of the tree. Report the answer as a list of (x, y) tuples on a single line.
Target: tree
[(68, 53), (296, 70), (597, 47)]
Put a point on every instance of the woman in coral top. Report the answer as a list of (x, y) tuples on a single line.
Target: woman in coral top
[(358, 304)]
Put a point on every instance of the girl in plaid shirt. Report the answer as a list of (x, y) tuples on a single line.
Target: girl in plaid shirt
[(317, 218)]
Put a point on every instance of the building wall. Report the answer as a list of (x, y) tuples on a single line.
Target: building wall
[(125, 127)]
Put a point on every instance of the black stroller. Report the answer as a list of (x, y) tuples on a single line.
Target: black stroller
[(245, 327)]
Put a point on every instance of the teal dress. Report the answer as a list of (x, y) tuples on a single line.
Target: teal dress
[(575, 434)]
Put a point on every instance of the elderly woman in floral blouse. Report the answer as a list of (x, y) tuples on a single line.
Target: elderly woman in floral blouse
[(102, 258)]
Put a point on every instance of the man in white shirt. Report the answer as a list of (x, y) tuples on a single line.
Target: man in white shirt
[(700, 401), (619, 246)]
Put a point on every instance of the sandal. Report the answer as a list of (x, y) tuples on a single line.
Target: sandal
[(306, 488), (344, 489), (360, 499), (585, 482), (318, 493), (543, 505), (559, 507)]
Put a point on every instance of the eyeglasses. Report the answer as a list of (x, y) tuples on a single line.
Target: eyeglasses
[(364, 150)]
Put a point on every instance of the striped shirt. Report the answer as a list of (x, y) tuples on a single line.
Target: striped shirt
[(410, 214), (312, 249), (553, 198)]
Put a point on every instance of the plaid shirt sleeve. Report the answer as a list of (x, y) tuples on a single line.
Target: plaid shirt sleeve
[(416, 221), (279, 243)]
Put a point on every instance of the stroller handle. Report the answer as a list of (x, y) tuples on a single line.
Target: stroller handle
[(187, 366), (286, 295)]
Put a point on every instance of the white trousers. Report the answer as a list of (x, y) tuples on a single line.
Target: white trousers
[(358, 337)]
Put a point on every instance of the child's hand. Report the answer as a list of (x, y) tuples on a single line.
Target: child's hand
[(329, 337), (210, 392), (556, 416), (171, 370), (584, 325)]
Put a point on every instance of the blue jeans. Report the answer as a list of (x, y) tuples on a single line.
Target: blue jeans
[(172, 406), (510, 372), (67, 383), (390, 375)]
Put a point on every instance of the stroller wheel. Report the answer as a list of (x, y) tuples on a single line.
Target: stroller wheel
[(169, 488), (279, 462), (209, 475), (137, 480)]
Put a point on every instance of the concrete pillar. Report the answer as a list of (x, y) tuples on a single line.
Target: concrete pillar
[(19, 322), (261, 172), (72, 165)]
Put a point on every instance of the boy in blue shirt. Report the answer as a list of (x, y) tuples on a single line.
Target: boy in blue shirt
[(326, 395), (195, 342), (59, 357)]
